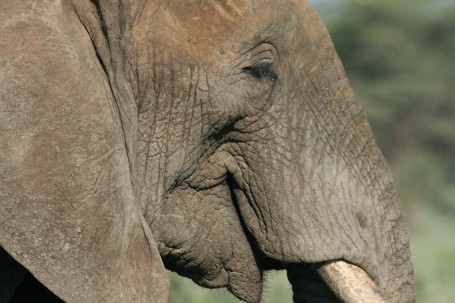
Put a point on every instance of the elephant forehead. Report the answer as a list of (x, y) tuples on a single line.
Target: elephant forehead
[(216, 11), (206, 27)]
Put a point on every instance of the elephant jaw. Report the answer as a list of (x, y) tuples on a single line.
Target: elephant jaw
[(350, 283)]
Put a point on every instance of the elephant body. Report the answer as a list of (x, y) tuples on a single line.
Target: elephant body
[(217, 138)]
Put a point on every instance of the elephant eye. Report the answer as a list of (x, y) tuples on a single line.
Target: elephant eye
[(262, 71)]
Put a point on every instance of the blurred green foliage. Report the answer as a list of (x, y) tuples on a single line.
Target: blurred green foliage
[(276, 289), (400, 59)]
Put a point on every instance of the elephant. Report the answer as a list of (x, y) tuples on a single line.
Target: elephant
[(216, 138)]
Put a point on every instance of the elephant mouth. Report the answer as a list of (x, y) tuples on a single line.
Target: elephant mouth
[(207, 272), (203, 237), (210, 272)]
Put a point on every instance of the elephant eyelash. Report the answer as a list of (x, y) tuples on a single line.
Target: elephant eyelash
[(262, 71)]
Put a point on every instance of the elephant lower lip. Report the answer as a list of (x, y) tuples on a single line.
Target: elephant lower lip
[(221, 279), (245, 288), (240, 285)]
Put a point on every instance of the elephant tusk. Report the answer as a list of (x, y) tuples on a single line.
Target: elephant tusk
[(350, 283)]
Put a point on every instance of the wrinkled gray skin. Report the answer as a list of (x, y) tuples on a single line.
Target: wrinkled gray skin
[(225, 132)]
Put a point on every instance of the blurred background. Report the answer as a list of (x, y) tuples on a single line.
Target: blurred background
[(400, 58)]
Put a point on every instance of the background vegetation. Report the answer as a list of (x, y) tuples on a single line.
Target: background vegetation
[(400, 58)]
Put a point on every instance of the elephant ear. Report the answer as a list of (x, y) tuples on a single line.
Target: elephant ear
[(68, 211)]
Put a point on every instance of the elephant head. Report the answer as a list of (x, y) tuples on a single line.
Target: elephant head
[(261, 155), (225, 129)]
